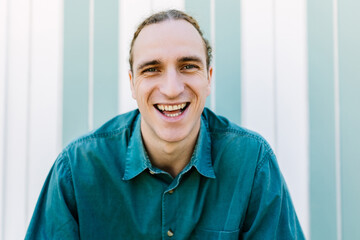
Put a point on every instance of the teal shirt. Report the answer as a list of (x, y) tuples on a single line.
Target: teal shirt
[(103, 186)]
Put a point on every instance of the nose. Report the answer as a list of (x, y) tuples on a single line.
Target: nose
[(172, 85)]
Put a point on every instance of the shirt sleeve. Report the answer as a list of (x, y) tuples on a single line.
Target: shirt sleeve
[(55, 215), (270, 214)]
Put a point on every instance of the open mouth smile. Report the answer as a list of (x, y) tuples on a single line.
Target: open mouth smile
[(172, 110)]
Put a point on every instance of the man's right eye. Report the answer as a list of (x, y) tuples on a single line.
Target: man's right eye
[(150, 70)]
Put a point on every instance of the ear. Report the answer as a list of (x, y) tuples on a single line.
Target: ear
[(131, 78), (209, 78)]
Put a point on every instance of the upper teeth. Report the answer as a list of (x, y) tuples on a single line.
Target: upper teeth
[(171, 107)]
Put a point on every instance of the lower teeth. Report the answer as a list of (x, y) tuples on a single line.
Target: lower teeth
[(173, 115)]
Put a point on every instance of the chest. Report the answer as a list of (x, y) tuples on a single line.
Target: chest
[(149, 207)]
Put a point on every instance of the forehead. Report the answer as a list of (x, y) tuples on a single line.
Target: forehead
[(167, 39)]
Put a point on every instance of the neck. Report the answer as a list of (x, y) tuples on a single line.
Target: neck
[(171, 157)]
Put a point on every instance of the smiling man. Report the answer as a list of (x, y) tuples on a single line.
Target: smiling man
[(171, 169), (170, 80)]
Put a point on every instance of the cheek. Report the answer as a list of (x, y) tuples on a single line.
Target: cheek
[(143, 90), (201, 87)]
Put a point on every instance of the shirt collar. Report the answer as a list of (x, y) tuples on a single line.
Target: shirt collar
[(137, 159), (136, 156), (201, 158)]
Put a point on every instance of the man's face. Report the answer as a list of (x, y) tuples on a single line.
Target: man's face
[(170, 80)]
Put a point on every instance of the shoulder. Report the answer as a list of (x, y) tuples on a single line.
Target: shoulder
[(115, 127), (235, 139), (105, 145)]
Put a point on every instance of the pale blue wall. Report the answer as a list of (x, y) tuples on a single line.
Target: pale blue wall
[(349, 88), (227, 45), (322, 120), (334, 53), (105, 64), (75, 69)]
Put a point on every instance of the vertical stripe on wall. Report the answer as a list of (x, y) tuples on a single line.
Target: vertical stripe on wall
[(258, 68), (44, 117), (128, 22), (160, 5), (291, 101), (227, 25), (3, 98), (105, 61), (76, 69), (322, 120), (349, 87), (17, 116)]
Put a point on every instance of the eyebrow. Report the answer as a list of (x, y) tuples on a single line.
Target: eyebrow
[(190, 59), (148, 63)]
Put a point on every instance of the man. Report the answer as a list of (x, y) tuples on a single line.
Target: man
[(172, 169)]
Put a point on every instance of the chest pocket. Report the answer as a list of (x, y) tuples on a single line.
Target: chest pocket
[(215, 235)]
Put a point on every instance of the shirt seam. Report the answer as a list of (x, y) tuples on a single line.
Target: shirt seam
[(266, 157), (244, 133), (67, 162), (268, 153), (64, 159), (69, 174), (94, 136), (241, 133)]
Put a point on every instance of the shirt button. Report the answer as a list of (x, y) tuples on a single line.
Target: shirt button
[(151, 172), (171, 191), (170, 233)]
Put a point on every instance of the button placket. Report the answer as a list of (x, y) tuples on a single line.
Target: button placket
[(170, 203)]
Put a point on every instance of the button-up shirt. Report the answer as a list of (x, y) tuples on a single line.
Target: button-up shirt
[(103, 186)]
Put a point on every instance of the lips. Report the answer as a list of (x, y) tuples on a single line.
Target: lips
[(171, 110)]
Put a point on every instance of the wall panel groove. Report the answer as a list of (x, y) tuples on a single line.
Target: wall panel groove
[(4, 39)]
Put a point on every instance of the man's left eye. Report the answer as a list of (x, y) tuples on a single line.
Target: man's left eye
[(150, 70), (190, 66)]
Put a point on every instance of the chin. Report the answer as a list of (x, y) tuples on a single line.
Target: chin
[(172, 136)]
